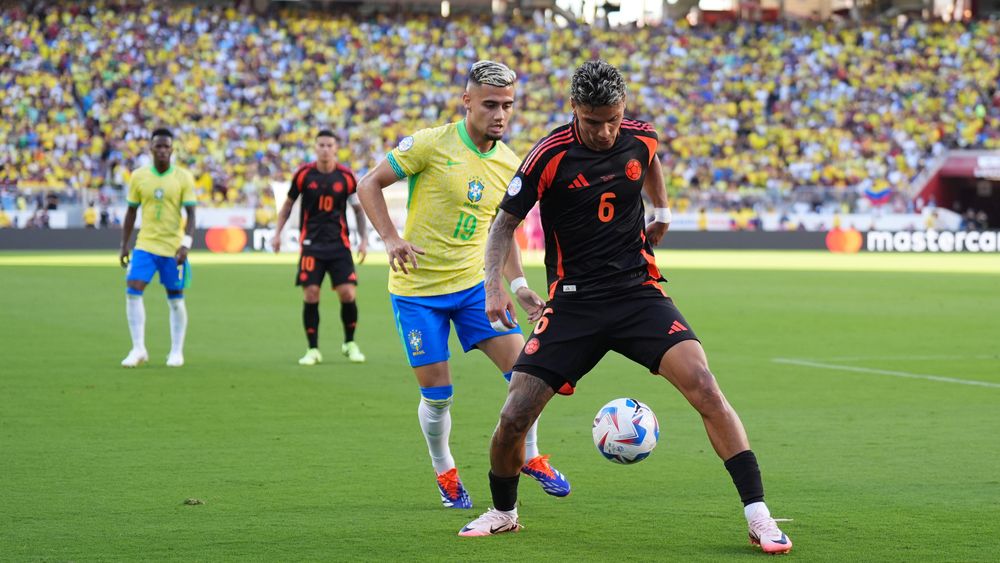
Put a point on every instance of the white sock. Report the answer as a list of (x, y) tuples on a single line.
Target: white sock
[(755, 510), (135, 312), (531, 443), (178, 325), (435, 421)]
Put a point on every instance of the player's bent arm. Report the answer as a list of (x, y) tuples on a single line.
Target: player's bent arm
[(512, 267), (657, 192), (360, 221), (654, 186), (399, 251), (498, 249), (188, 239), (499, 306), (529, 300), (362, 228), (128, 225), (189, 227), (283, 213), (370, 194)]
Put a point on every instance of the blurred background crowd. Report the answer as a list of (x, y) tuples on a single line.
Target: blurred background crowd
[(748, 114)]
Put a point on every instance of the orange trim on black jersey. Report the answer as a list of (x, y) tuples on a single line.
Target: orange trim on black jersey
[(650, 144), (552, 142), (655, 284), (300, 175), (343, 233), (560, 273), (638, 125), (651, 268), (302, 233), (549, 173)]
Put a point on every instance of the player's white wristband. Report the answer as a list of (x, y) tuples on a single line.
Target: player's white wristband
[(662, 215), (186, 242), (518, 283)]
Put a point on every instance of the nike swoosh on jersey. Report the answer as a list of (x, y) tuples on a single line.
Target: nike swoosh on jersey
[(452, 163)]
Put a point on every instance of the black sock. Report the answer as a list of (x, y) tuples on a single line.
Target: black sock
[(349, 316), (504, 491), (746, 476), (310, 319)]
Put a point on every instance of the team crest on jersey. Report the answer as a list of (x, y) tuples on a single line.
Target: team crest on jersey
[(416, 340), (338, 187), (158, 193), (633, 169), (514, 187), (406, 144), (475, 190)]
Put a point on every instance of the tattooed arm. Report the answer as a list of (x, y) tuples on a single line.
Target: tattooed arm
[(498, 303)]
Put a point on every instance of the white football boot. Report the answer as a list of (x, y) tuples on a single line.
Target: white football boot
[(135, 358), (491, 523)]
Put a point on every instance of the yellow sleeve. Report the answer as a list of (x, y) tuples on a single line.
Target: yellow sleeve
[(411, 155), (187, 190), (134, 197)]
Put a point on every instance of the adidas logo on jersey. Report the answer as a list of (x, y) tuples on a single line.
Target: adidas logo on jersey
[(579, 182), (676, 327)]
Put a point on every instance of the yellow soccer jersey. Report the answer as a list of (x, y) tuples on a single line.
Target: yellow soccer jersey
[(454, 194), (161, 197)]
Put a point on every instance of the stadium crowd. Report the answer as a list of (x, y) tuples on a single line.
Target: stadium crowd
[(747, 114)]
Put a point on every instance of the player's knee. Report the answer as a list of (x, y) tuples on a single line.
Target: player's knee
[(705, 393), (133, 290), (311, 294), (514, 423), (178, 294), (346, 293)]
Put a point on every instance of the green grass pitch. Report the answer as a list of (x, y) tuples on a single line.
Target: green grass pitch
[(869, 385)]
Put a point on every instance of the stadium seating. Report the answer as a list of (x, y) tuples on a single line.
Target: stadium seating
[(746, 113)]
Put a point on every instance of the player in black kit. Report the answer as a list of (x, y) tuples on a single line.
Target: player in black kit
[(326, 187), (604, 291)]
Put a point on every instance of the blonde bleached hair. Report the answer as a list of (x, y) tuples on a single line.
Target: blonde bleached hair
[(491, 73)]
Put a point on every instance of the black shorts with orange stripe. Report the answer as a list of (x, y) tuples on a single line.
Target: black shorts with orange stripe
[(313, 268), (640, 323)]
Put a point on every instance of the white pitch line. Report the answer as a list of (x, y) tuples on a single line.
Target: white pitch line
[(909, 375), (928, 358)]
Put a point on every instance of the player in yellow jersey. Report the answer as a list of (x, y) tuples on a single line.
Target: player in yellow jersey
[(161, 189), (457, 175)]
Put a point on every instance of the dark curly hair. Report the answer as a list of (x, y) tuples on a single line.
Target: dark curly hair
[(597, 83)]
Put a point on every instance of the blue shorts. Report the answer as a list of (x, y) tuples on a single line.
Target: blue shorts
[(423, 323), (144, 264)]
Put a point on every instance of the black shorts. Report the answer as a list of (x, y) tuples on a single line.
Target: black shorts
[(640, 323), (312, 268)]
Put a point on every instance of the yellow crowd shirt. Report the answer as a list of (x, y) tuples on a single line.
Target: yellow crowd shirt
[(454, 192), (161, 197)]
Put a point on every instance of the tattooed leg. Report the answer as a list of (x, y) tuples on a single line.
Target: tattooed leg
[(526, 398)]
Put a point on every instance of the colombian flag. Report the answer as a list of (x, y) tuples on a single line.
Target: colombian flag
[(879, 196)]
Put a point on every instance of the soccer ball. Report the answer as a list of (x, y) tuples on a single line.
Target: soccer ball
[(625, 431)]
